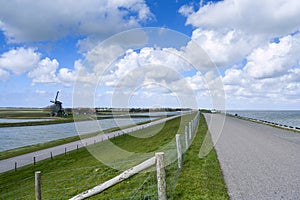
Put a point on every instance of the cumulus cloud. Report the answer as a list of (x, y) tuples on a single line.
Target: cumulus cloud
[(275, 18), (79, 73), (270, 76), (275, 59), (226, 48), (44, 72), (149, 64), (50, 20), (19, 60), (229, 30), (257, 43)]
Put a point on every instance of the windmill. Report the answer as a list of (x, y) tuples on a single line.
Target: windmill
[(57, 109)]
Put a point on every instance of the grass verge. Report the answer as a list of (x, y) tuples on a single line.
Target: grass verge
[(200, 178)]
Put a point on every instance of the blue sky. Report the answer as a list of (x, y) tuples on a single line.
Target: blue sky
[(257, 56)]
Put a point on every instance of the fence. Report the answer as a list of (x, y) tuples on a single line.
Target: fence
[(60, 184), (160, 168)]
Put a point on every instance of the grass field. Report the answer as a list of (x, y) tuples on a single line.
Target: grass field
[(29, 113), (68, 175)]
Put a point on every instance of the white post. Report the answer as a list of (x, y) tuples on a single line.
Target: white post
[(190, 130), (38, 191), (161, 176), (186, 138), (179, 155)]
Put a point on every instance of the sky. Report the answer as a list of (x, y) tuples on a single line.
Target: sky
[(76, 47)]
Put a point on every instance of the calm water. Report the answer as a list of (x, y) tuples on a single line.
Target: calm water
[(289, 118), (14, 137)]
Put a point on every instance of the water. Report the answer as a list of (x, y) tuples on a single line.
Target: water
[(289, 118), (14, 137)]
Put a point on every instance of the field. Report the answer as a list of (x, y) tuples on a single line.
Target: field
[(70, 174), (28, 113)]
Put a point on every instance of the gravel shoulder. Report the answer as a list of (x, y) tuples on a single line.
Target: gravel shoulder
[(258, 161)]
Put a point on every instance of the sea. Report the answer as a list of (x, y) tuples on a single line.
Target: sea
[(283, 117)]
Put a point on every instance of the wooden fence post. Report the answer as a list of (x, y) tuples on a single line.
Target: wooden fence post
[(38, 191), (186, 139), (190, 130), (179, 154), (192, 126), (161, 176)]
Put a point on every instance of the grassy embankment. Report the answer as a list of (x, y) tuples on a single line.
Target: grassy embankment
[(67, 175), (200, 178)]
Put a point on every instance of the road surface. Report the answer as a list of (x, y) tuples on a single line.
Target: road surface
[(258, 161), (29, 158)]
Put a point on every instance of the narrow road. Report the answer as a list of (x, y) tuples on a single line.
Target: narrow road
[(258, 161), (29, 158)]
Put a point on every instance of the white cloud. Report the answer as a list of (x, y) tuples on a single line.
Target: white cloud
[(270, 77), (45, 71), (149, 64), (225, 48), (80, 75), (229, 30), (19, 60), (236, 34), (50, 20), (274, 18), (186, 10), (274, 59)]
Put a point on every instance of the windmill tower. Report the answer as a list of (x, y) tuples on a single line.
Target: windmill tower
[(57, 109)]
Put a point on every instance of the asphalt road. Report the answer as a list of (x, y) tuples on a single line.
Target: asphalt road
[(258, 161), (26, 159)]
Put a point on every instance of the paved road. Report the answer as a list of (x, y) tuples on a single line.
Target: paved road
[(258, 161), (26, 159)]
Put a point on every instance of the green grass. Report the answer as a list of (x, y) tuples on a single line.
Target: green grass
[(77, 171), (200, 178), (23, 113)]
